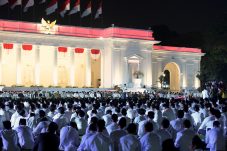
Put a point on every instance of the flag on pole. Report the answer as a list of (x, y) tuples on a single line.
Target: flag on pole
[(42, 1), (76, 7), (65, 6), (29, 3), (99, 11), (14, 3), (53, 5), (3, 2), (87, 10)]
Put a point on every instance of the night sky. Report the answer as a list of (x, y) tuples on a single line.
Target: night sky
[(179, 15)]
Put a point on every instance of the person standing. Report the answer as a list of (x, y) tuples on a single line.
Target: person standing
[(48, 141), (9, 138)]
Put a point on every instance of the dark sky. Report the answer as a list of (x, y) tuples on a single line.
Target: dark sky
[(179, 15)]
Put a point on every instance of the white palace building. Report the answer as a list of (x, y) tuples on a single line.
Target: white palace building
[(66, 56)]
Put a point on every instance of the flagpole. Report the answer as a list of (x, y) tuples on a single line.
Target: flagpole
[(91, 15)]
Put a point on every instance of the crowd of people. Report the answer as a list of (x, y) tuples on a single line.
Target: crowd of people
[(112, 121)]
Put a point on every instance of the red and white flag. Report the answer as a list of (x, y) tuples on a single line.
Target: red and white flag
[(42, 1), (99, 11), (14, 3), (51, 8), (76, 7), (65, 6), (29, 3), (3, 2), (87, 10)]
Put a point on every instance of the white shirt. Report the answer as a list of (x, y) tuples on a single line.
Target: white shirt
[(115, 137), (184, 139), (112, 127), (150, 142), (141, 130), (41, 128), (163, 134), (206, 121), (131, 113), (26, 139), (198, 118), (61, 120), (169, 114), (177, 124), (84, 139), (205, 94), (129, 143), (139, 119), (69, 139), (9, 140), (98, 142), (81, 125), (14, 117), (107, 119), (215, 139)]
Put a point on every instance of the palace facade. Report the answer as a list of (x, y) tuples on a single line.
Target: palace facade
[(66, 56)]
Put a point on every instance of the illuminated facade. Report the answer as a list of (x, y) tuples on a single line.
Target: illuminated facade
[(88, 57)]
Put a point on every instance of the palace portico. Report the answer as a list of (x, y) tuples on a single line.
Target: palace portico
[(88, 57)]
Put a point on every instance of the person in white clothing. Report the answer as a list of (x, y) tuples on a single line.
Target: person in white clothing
[(203, 127), (92, 129), (197, 116), (215, 139), (163, 132), (9, 138), (81, 122), (177, 124), (140, 117), (150, 117), (60, 119), (184, 138), (150, 141), (130, 142), (98, 141), (131, 113), (113, 126), (168, 112), (69, 137), (42, 127), (107, 117), (24, 133), (205, 94), (117, 134)]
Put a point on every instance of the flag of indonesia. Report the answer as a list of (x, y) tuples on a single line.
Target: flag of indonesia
[(65, 6), (52, 7), (28, 3), (3, 2), (42, 1), (14, 3), (99, 11), (76, 8), (87, 10)]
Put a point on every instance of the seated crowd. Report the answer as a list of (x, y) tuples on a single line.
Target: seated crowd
[(130, 123)]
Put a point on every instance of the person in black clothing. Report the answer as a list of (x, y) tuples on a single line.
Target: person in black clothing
[(48, 141)]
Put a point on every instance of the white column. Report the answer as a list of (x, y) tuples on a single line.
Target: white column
[(184, 74), (88, 68), (125, 72), (102, 69), (55, 67), (18, 55), (1, 64), (37, 65), (159, 70), (72, 69), (148, 70)]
